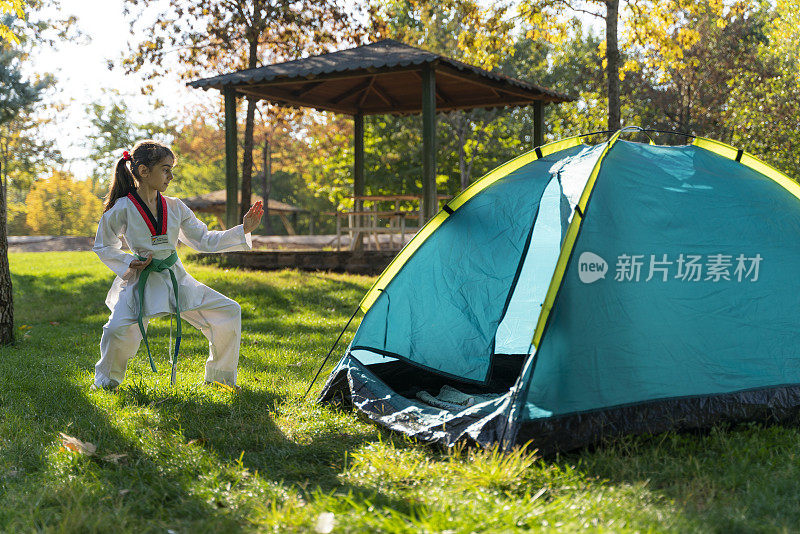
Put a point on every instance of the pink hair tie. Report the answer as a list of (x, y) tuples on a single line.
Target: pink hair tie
[(126, 156)]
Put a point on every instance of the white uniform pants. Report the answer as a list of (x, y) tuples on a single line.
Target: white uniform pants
[(218, 317)]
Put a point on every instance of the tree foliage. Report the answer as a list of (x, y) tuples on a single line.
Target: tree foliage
[(25, 155), (206, 38), (465, 30), (18, 93), (113, 130), (763, 109), (555, 20), (60, 205), (23, 145), (201, 163), (690, 52), (231, 35), (13, 7)]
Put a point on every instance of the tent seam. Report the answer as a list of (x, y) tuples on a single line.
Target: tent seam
[(578, 224)]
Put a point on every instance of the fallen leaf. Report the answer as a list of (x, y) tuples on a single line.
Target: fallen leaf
[(75, 445), (54, 323), (114, 458), (124, 492), (223, 386), (325, 523)]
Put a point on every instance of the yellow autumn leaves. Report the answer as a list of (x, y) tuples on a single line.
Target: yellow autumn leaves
[(11, 7), (60, 205), (656, 33)]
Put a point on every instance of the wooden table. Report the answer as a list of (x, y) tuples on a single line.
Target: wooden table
[(361, 220), (358, 222)]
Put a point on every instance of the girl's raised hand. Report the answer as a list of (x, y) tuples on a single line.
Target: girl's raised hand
[(253, 217), (136, 267)]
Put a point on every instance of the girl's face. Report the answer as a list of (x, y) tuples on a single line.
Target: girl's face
[(159, 175)]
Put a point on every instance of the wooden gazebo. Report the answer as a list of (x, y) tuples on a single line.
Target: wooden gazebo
[(386, 77), (215, 203)]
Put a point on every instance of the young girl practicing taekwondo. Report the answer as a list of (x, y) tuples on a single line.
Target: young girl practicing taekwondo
[(153, 282)]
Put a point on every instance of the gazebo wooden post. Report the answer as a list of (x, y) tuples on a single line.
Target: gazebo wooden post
[(430, 201), (358, 174), (231, 172), (538, 123)]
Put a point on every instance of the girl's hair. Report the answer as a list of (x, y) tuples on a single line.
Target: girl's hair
[(148, 153)]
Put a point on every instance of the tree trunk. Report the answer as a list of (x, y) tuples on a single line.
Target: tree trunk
[(267, 185), (459, 122), (6, 297), (612, 64), (247, 157), (462, 154), (4, 164)]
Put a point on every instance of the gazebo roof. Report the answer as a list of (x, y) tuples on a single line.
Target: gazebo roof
[(215, 202), (379, 78)]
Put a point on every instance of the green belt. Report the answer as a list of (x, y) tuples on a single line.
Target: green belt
[(157, 266)]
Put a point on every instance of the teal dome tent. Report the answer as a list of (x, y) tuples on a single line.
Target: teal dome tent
[(579, 292)]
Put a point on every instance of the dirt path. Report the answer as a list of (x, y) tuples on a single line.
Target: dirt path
[(47, 243)]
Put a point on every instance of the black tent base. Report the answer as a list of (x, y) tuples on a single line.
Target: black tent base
[(779, 404), (358, 386)]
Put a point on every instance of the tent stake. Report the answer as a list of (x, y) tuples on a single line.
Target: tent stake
[(330, 352)]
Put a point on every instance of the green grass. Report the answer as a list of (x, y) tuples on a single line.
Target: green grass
[(205, 459)]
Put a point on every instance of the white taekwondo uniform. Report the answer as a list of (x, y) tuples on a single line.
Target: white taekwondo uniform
[(217, 316)]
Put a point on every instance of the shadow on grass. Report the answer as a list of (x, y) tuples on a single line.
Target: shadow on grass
[(243, 430), (44, 488), (730, 478), (46, 297)]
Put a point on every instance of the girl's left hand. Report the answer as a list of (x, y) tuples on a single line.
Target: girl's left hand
[(253, 217)]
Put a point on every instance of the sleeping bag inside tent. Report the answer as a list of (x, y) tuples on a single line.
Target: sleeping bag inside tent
[(582, 292)]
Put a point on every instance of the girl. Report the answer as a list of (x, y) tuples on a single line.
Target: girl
[(153, 282)]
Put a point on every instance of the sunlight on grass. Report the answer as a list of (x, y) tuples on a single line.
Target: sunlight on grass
[(206, 459)]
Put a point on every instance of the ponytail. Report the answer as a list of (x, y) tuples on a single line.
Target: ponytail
[(122, 183), (148, 153)]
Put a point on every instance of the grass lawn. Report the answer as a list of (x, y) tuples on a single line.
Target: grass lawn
[(195, 458)]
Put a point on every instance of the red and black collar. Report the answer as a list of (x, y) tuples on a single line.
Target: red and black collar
[(160, 220)]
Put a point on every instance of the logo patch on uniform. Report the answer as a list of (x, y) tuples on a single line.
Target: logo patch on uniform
[(159, 240)]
